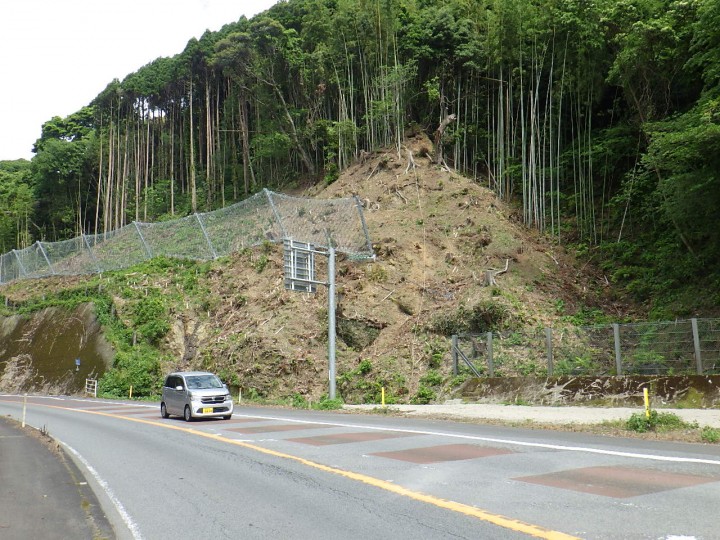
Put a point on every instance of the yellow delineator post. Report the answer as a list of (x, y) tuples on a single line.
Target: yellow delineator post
[(382, 393), (647, 403), (130, 397)]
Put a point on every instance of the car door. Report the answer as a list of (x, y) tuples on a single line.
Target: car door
[(174, 401)]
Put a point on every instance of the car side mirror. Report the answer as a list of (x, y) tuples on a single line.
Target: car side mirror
[(178, 387)]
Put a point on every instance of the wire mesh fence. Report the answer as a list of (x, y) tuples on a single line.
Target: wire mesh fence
[(264, 217), (680, 347)]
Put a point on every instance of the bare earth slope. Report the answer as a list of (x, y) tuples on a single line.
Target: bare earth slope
[(449, 257), (436, 235)]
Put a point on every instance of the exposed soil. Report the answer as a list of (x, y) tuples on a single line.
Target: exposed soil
[(436, 235)]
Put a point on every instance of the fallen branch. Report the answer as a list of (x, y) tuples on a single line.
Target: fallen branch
[(387, 296), (373, 171)]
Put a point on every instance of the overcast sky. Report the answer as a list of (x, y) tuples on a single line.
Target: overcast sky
[(57, 55)]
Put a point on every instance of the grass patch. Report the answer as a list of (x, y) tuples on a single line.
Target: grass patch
[(659, 422), (710, 435)]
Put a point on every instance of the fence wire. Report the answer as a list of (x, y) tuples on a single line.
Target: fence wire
[(683, 347), (264, 217)]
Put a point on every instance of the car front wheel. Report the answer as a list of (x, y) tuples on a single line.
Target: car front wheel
[(163, 410), (187, 415)]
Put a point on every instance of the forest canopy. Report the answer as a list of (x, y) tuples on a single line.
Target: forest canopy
[(599, 119)]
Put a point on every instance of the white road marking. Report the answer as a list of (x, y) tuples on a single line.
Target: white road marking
[(131, 525), (651, 457)]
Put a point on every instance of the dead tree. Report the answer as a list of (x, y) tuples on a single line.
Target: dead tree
[(439, 160), (491, 274)]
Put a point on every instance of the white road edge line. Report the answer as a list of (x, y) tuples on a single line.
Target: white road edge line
[(131, 525), (651, 457)]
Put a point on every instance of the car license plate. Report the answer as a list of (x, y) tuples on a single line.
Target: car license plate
[(207, 410)]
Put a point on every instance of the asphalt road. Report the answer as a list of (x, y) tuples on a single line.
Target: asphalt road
[(273, 473)]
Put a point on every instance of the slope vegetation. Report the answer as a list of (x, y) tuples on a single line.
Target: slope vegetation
[(450, 258)]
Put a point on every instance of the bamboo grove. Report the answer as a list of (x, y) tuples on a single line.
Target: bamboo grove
[(598, 118)]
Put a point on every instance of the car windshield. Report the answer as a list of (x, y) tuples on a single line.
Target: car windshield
[(198, 382)]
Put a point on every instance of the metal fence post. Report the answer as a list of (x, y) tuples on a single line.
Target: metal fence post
[(20, 264), (454, 354), (549, 349), (491, 367), (618, 354), (142, 239), (358, 205), (205, 234), (47, 259), (696, 343), (275, 212), (90, 252), (331, 321)]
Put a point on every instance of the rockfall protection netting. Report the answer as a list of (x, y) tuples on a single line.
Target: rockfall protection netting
[(266, 216)]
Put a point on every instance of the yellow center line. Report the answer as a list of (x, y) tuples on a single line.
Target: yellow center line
[(495, 519)]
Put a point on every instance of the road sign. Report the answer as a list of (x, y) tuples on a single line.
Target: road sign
[(299, 258)]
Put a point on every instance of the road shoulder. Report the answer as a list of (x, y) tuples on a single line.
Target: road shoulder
[(44, 495)]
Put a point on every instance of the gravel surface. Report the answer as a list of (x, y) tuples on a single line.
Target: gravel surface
[(542, 415)]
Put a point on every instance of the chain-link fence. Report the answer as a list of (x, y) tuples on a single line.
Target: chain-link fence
[(266, 216), (653, 348)]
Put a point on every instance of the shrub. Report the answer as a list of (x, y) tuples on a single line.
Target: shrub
[(299, 401), (150, 318), (364, 367), (424, 396), (711, 435), (327, 404), (641, 423), (139, 368), (431, 378), (261, 263)]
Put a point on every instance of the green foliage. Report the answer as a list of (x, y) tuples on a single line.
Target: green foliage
[(485, 316), (366, 385), (376, 273), (710, 435), (261, 263), (299, 401), (436, 349), (641, 423), (364, 367), (458, 380), (431, 378), (588, 316), (139, 368), (580, 365), (423, 396), (629, 91), (17, 201), (327, 404), (150, 317)]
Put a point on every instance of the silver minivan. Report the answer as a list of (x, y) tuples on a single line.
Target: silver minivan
[(195, 394)]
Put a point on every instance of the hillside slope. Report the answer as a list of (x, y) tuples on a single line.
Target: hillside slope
[(436, 235), (450, 257)]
